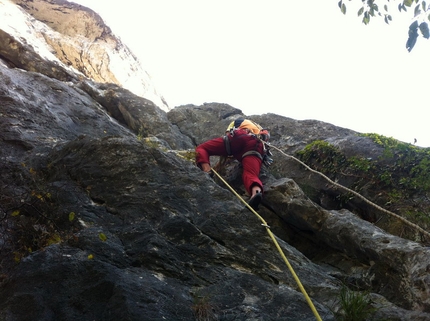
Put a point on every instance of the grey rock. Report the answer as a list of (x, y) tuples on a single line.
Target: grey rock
[(103, 218)]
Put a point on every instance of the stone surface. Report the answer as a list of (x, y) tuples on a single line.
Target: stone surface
[(104, 218), (67, 40)]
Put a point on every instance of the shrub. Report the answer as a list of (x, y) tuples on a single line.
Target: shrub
[(355, 305)]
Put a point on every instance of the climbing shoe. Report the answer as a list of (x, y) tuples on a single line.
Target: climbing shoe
[(255, 201)]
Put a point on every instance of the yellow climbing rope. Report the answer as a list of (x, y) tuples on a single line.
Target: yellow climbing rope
[(296, 278)]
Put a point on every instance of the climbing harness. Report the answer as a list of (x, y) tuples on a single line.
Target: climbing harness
[(265, 158), (252, 128), (252, 152), (264, 223)]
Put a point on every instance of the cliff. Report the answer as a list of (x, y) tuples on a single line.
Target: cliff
[(104, 215), (76, 42)]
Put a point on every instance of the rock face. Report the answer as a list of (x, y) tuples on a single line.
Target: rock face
[(104, 216), (75, 40)]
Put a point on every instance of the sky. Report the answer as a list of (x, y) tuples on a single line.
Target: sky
[(299, 59)]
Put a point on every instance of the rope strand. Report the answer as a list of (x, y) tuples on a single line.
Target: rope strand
[(296, 278), (416, 227), (264, 223)]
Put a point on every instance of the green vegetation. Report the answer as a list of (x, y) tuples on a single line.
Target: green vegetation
[(189, 155), (326, 155), (398, 180), (33, 218), (141, 133), (410, 165), (370, 9), (355, 306), (150, 142)]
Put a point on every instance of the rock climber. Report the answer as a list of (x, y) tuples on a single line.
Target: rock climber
[(245, 141)]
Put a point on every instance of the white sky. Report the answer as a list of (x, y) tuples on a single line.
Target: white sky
[(299, 59)]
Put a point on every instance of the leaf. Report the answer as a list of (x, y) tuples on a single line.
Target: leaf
[(102, 237), (424, 28), (90, 256), (17, 257), (413, 26), (385, 7), (343, 9), (340, 4), (15, 213), (54, 239), (417, 10), (71, 216), (360, 12), (408, 3), (413, 35), (424, 4), (411, 41), (366, 18)]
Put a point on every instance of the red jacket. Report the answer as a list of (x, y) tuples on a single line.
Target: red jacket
[(240, 143)]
